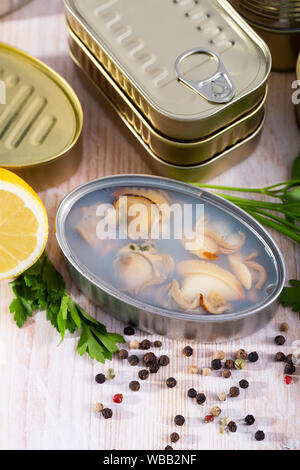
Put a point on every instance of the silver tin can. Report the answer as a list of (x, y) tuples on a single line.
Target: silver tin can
[(160, 321)]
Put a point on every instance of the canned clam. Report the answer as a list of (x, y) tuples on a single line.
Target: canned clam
[(40, 120), (169, 258), (186, 94)]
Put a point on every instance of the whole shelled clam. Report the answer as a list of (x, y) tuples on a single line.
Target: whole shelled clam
[(248, 271), (138, 267)]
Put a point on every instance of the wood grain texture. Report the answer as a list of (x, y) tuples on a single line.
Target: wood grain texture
[(47, 391)]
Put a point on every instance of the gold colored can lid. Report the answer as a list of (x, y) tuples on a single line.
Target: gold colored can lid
[(40, 115), (191, 67)]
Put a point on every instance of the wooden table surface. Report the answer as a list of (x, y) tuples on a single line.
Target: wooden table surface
[(47, 391)]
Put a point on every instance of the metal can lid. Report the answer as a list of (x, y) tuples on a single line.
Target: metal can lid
[(40, 115), (190, 67)]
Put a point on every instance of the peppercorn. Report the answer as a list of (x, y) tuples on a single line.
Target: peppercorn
[(145, 344), (129, 331), (134, 344), (288, 379), (143, 374), (216, 364), (157, 344), (232, 427), (149, 358), (171, 382), (226, 374), (249, 420), (206, 371), (253, 356), (168, 448), (244, 383), (219, 355), (134, 386), (280, 357), (284, 326), (222, 396), (201, 398), (239, 364), (229, 364), (179, 420), (123, 354), (98, 407), (280, 340), (107, 413), (234, 392), (133, 360), (118, 398), (192, 393), (241, 354), (187, 351), (289, 369), (110, 374), (154, 367), (259, 435), (100, 378), (290, 359), (215, 411), (209, 419), (193, 369), (174, 437), (225, 421), (164, 361)]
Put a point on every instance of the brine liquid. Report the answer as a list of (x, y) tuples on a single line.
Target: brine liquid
[(99, 257)]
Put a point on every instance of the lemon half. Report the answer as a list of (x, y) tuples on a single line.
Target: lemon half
[(23, 225)]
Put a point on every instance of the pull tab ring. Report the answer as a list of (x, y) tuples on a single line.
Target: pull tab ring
[(219, 88)]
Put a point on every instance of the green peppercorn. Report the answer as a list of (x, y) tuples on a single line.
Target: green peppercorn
[(239, 364)]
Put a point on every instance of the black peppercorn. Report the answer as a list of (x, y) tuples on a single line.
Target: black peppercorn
[(129, 331), (174, 437), (143, 374), (168, 448), (134, 386), (154, 367), (133, 360), (123, 354), (249, 420), (234, 392), (164, 361), (280, 340), (229, 364), (179, 420), (145, 344), (192, 393), (253, 356), (259, 435), (200, 398), (157, 344), (216, 364), (107, 413), (232, 426), (188, 351), (290, 359), (289, 369), (149, 358), (171, 382), (100, 378), (280, 357), (244, 383)]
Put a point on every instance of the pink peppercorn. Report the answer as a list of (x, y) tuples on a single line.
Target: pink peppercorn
[(118, 398)]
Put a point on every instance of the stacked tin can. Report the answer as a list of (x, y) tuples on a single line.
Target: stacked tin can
[(278, 23), (195, 110)]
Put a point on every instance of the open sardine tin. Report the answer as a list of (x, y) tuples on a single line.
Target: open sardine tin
[(170, 258), (190, 67)]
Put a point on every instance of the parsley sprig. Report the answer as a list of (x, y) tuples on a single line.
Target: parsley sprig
[(290, 296), (42, 287)]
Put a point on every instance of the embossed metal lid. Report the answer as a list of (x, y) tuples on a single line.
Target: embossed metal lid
[(40, 115), (190, 67)]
